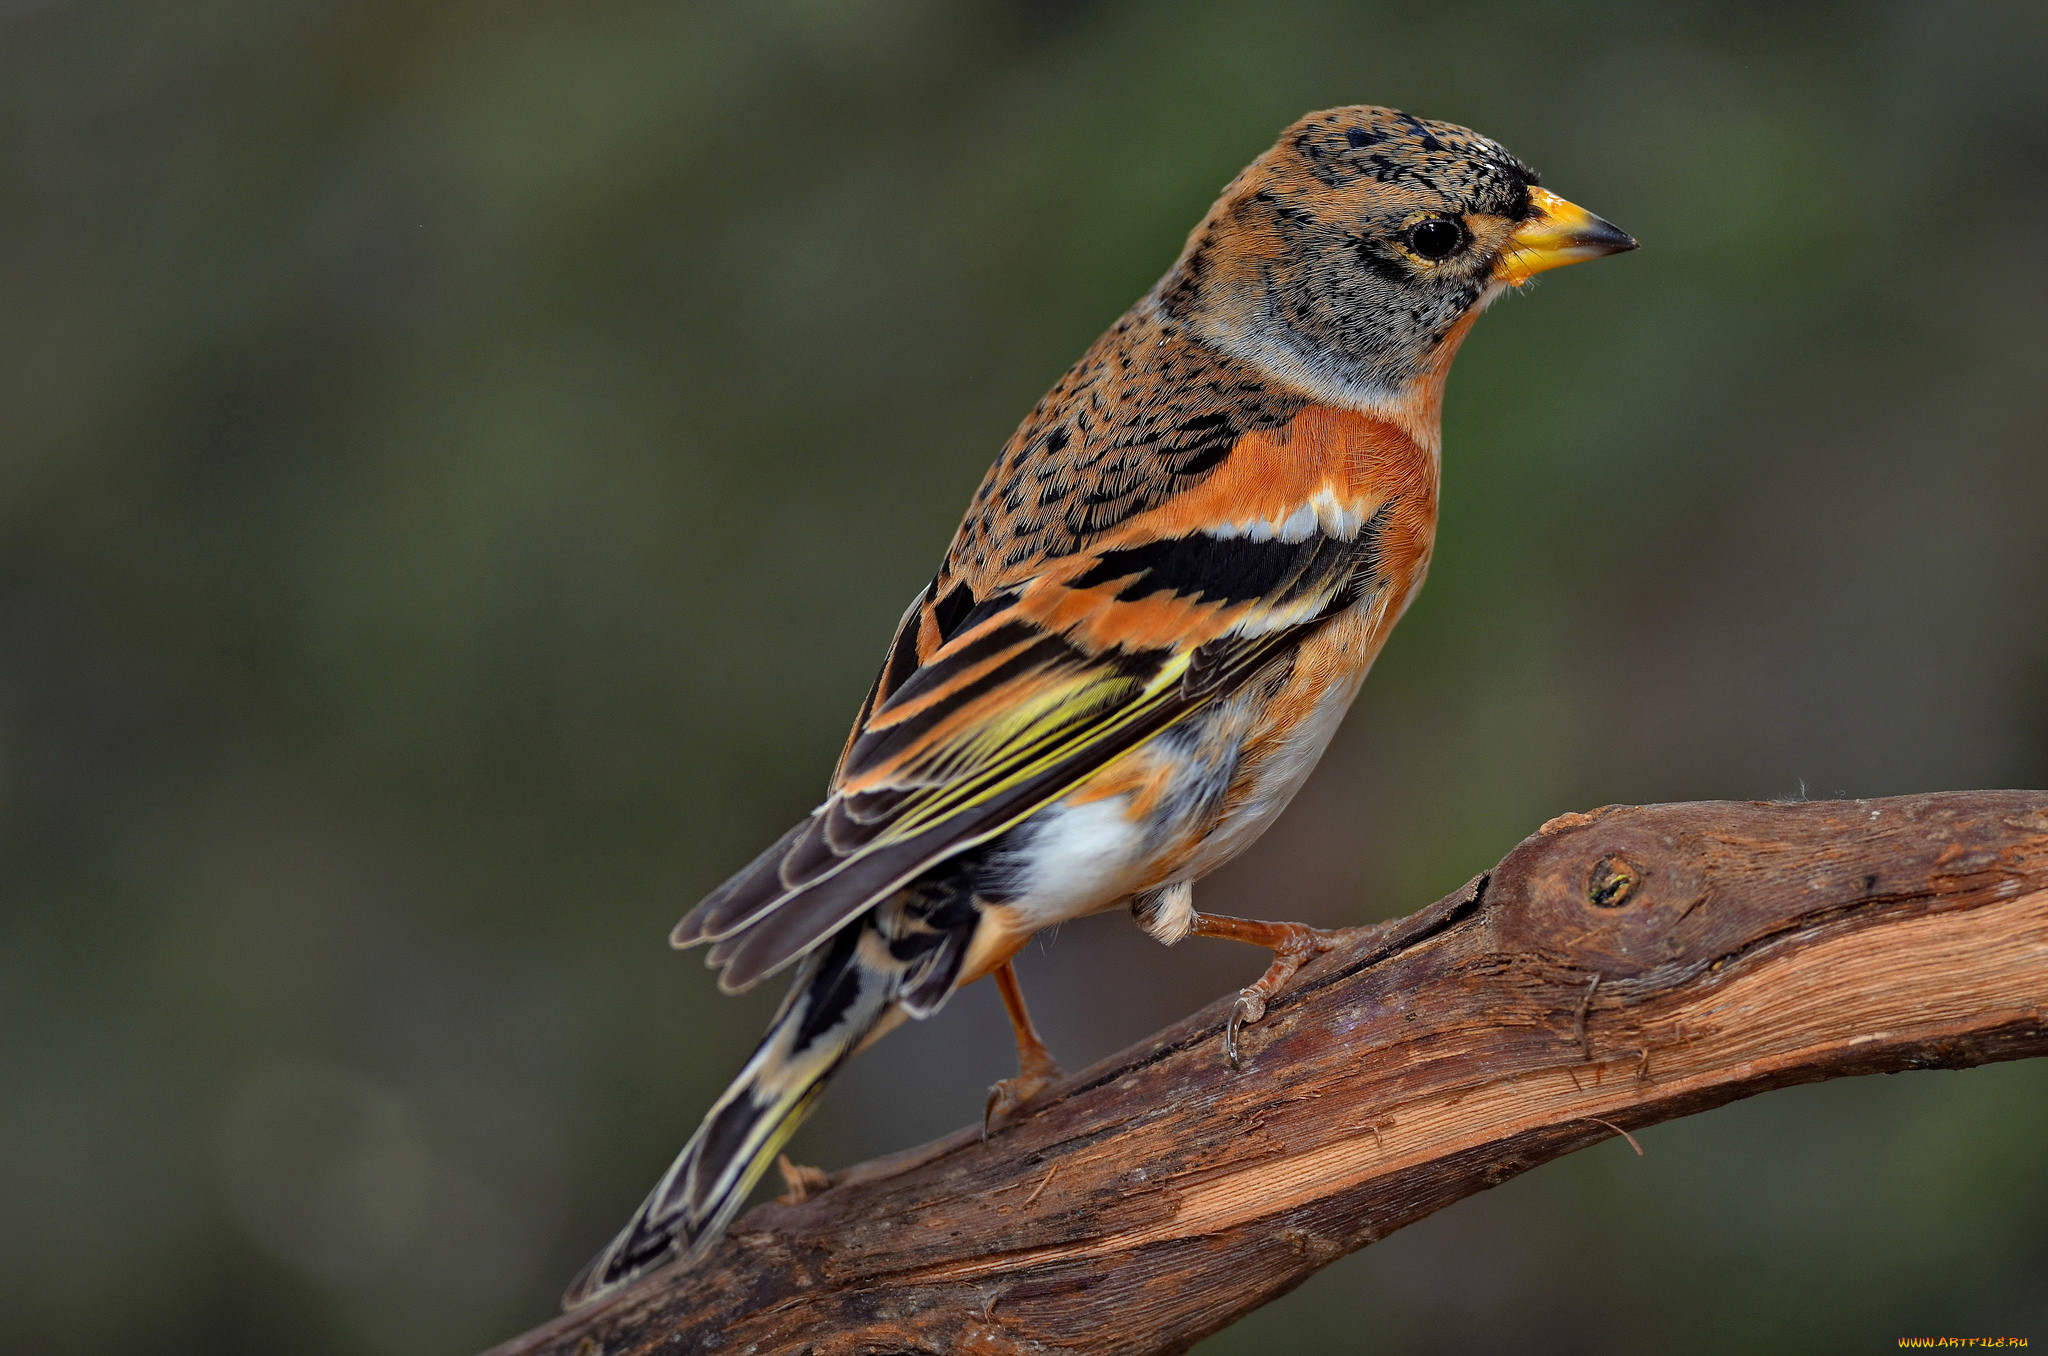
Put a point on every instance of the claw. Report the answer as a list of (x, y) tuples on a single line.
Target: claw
[(1291, 944), (1012, 1095), (998, 1108), (1249, 1007)]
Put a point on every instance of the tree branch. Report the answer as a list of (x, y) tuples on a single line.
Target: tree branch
[(1617, 969)]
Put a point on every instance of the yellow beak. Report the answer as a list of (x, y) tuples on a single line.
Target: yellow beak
[(1556, 233)]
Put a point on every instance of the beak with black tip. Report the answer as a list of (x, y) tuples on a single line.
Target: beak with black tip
[(1556, 233)]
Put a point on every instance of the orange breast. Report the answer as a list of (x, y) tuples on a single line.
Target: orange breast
[(1372, 464), (1360, 461), (1338, 464)]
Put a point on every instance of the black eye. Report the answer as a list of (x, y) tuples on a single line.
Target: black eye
[(1436, 239)]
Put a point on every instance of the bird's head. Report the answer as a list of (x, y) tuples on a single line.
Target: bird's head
[(1350, 258)]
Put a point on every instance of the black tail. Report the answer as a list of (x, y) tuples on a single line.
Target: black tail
[(897, 960)]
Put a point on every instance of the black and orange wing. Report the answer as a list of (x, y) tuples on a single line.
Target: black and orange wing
[(1152, 538), (1015, 711)]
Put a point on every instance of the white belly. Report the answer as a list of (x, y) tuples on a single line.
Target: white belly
[(1073, 859)]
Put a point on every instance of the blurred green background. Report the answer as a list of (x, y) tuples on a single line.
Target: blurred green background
[(460, 464)]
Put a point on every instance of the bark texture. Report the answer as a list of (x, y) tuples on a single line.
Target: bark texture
[(1617, 969)]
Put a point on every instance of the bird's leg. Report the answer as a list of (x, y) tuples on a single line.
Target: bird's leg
[(800, 1182), (1036, 1068), (1291, 944)]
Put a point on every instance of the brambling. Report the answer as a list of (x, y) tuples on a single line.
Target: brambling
[(1160, 603)]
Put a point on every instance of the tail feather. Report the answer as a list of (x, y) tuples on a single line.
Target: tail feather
[(837, 999), (897, 960)]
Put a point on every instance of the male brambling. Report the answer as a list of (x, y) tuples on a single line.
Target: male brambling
[(1162, 599)]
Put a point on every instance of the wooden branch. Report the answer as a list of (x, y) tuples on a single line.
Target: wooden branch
[(1618, 969)]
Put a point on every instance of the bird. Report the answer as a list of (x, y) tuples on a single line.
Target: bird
[(1156, 610)]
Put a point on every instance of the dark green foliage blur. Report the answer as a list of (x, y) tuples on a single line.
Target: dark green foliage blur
[(460, 464)]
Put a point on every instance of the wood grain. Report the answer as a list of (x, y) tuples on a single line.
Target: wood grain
[(1617, 969)]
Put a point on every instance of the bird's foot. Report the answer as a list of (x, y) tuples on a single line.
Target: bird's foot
[(1009, 1097), (801, 1182), (1293, 944)]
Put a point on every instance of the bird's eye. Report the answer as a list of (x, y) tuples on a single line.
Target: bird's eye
[(1436, 239)]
